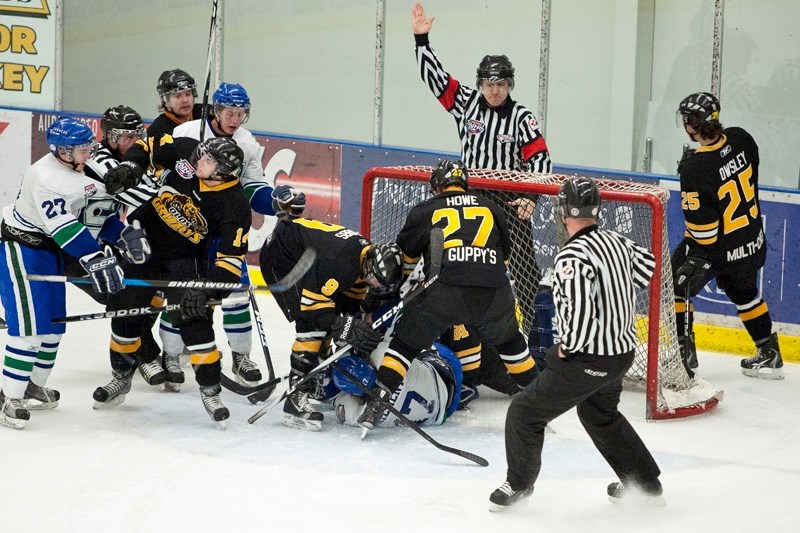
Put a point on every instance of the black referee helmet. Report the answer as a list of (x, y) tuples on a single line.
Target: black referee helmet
[(579, 197)]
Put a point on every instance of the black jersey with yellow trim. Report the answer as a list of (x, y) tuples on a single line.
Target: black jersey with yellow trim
[(336, 273), (719, 198), (166, 122), (188, 213), (476, 238)]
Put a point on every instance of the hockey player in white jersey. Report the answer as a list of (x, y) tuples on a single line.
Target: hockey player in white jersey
[(428, 396), (59, 210), (231, 109)]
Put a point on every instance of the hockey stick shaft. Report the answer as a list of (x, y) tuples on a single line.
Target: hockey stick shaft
[(135, 311), (408, 422), (343, 350), (262, 336), (207, 88), (294, 275)]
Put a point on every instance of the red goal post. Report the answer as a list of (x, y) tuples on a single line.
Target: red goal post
[(636, 210)]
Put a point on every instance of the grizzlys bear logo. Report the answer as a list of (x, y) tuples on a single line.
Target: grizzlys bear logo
[(179, 212)]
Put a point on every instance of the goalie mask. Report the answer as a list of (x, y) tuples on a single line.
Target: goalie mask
[(225, 152), (449, 173), (382, 268), (579, 198)]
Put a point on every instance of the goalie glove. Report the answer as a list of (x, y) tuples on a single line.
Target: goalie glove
[(288, 202), (355, 332), (123, 176), (103, 268), (133, 244), (692, 276)]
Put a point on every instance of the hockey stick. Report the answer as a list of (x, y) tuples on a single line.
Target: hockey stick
[(408, 422), (437, 250), (261, 335), (206, 89), (295, 274), (135, 311), (251, 391), (338, 354)]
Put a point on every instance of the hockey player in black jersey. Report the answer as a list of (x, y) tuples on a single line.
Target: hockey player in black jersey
[(724, 231), (325, 303), (199, 200), (177, 91), (472, 287)]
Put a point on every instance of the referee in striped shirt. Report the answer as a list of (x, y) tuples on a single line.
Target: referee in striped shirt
[(596, 276), (496, 133)]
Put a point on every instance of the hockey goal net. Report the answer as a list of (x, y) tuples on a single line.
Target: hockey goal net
[(636, 210)]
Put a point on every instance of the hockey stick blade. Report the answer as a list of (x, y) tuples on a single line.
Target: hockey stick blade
[(264, 390), (410, 423), (298, 271)]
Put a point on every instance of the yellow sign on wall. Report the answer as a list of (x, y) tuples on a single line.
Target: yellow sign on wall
[(27, 53)]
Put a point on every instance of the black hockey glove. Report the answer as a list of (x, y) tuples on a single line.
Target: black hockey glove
[(133, 244), (355, 332), (288, 202), (692, 276), (124, 176), (107, 276), (195, 304)]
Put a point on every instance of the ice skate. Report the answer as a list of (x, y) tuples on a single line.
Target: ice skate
[(767, 364), (114, 392), (152, 372), (245, 370), (40, 398), (12, 414), (651, 494), (300, 414), (374, 413), (214, 406), (174, 373), (504, 497)]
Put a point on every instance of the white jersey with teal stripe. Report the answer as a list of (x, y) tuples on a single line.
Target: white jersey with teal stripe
[(60, 203)]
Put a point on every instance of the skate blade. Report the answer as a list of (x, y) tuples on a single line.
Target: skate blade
[(496, 508), (221, 424), (13, 423), (170, 386), (763, 373), (291, 421), (29, 404), (638, 499), (364, 431), (110, 403)]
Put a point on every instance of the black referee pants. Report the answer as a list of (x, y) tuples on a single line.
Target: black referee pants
[(593, 384)]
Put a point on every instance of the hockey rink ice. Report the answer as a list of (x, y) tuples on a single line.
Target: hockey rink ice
[(158, 463)]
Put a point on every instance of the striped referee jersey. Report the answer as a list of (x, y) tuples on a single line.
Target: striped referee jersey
[(506, 138), (596, 274)]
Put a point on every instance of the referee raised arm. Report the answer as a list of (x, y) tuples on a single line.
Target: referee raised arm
[(596, 275)]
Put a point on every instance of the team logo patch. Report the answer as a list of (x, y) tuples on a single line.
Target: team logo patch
[(534, 124), (725, 151), (505, 138), (90, 190), (184, 169), (475, 126), (567, 272)]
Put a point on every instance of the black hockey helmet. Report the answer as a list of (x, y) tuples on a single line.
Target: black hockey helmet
[(447, 173), (699, 109), (175, 80), (579, 197), (120, 120), (228, 155), (495, 68), (383, 267)]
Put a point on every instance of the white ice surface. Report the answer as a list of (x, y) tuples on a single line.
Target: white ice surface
[(157, 462)]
